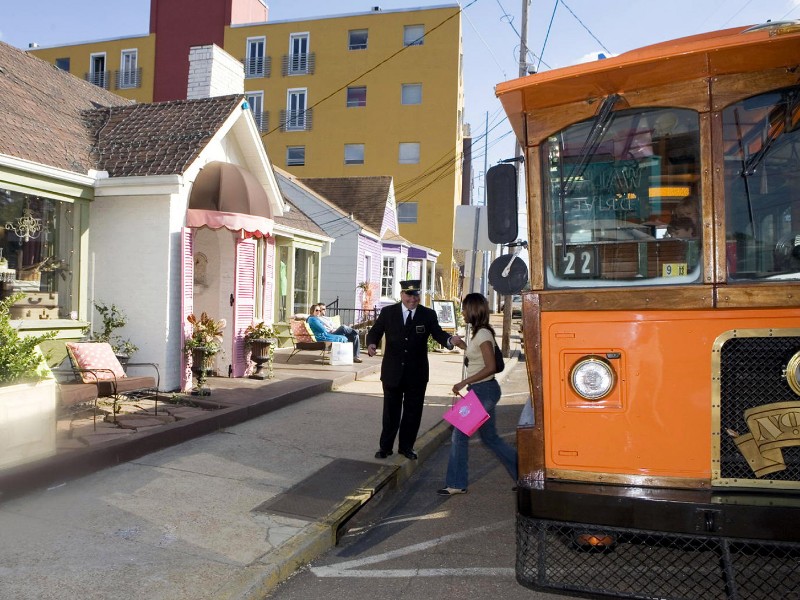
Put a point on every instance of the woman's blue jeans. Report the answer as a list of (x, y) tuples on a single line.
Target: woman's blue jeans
[(457, 468)]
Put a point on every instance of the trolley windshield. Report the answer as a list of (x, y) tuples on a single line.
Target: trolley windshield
[(621, 199), (762, 186)]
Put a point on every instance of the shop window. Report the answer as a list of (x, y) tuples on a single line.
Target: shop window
[(38, 255)]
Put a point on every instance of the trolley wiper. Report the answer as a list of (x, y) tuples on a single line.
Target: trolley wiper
[(751, 164), (596, 133), (602, 120)]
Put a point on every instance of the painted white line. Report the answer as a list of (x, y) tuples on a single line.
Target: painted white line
[(437, 515), (387, 573), (343, 568)]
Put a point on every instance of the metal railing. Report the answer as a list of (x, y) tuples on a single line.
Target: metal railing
[(262, 120), (352, 316), (98, 78), (298, 64), (128, 79), (296, 120), (257, 66)]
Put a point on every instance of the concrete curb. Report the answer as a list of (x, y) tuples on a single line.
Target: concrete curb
[(321, 536)]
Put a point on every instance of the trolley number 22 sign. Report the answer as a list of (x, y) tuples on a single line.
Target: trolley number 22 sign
[(577, 262)]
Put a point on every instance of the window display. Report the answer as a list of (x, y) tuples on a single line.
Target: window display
[(37, 255)]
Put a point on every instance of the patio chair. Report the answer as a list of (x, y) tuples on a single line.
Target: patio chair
[(303, 339), (95, 362)]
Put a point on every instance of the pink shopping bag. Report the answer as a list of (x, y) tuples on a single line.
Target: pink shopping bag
[(467, 414)]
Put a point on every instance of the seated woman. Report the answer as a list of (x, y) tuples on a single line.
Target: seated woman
[(322, 332)]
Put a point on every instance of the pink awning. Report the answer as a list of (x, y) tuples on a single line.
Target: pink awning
[(226, 195), (257, 226)]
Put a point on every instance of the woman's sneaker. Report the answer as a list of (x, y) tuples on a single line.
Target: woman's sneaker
[(448, 491)]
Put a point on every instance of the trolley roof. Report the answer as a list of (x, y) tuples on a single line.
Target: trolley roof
[(736, 50)]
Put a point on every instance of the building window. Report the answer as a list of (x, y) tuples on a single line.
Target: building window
[(299, 61), (97, 70), (354, 154), (296, 116), (356, 96), (367, 268), (407, 212), (387, 277), (254, 62), (413, 35), (411, 93), (357, 39), (256, 102), (409, 153), (129, 74), (41, 245), (306, 279), (295, 156), (63, 64)]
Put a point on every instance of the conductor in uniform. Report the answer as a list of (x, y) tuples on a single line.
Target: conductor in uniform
[(404, 370)]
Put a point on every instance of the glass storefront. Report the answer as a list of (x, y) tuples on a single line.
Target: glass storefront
[(38, 255)]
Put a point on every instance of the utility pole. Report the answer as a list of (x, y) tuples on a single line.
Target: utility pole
[(523, 70)]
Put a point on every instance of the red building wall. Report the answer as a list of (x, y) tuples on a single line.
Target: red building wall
[(180, 24)]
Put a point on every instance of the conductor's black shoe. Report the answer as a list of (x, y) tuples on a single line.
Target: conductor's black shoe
[(383, 453), (409, 454)]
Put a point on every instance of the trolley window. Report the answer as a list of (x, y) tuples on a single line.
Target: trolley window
[(621, 199), (762, 186)]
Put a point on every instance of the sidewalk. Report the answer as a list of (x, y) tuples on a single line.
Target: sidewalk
[(228, 514)]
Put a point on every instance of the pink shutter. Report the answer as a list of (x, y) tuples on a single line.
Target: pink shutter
[(244, 301), (187, 303), (267, 308)]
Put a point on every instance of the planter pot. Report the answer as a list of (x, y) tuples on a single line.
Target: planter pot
[(260, 354), (202, 364), (27, 422)]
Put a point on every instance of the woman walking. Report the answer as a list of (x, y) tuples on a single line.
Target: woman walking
[(481, 368)]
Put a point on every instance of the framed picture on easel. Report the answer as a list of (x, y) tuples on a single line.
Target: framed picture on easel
[(446, 313)]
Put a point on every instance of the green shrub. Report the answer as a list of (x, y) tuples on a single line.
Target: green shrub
[(113, 318), (20, 358)]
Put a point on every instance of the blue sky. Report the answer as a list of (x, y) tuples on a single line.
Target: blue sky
[(490, 33)]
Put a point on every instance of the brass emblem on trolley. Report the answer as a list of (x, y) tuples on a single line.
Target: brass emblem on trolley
[(772, 427)]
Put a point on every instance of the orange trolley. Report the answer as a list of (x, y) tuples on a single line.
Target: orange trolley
[(660, 453)]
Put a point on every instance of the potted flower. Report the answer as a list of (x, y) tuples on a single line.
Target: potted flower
[(202, 345), (259, 338), (114, 318), (27, 393), (367, 292)]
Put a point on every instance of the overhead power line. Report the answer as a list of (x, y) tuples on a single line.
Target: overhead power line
[(378, 65), (585, 27)]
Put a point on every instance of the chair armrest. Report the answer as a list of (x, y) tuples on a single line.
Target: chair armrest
[(147, 364)]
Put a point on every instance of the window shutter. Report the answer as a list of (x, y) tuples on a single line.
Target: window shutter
[(267, 308), (187, 303), (244, 301)]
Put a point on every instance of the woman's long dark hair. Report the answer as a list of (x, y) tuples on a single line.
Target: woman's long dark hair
[(476, 312)]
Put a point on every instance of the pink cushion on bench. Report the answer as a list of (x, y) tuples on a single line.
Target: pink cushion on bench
[(95, 355), (300, 331)]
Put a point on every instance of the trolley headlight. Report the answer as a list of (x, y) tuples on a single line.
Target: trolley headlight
[(592, 378), (793, 373)]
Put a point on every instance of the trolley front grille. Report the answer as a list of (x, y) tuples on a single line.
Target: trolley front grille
[(751, 375), (553, 555)]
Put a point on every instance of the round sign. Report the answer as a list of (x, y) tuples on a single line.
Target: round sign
[(511, 282)]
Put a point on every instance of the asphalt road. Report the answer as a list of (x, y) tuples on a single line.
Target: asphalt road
[(414, 544)]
